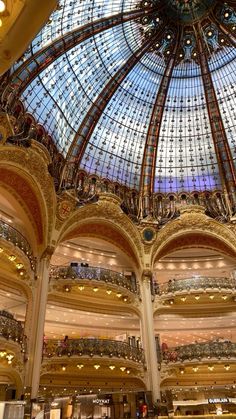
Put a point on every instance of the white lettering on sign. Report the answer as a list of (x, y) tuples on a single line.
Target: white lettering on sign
[(220, 400), (101, 401)]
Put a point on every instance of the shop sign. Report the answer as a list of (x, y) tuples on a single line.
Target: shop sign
[(101, 401), (218, 400)]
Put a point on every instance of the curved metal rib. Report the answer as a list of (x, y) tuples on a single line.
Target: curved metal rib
[(24, 75), (87, 126)]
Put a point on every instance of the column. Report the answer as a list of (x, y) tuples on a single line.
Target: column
[(148, 337), (37, 324)]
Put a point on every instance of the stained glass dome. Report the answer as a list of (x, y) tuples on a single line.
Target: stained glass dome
[(139, 92)]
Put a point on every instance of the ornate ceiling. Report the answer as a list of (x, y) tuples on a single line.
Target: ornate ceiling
[(142, 93)]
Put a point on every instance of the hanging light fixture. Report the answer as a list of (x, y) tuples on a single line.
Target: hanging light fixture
[(2, 6)]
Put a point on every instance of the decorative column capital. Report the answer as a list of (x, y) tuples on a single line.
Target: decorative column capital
[(147, 276), (47, 254)]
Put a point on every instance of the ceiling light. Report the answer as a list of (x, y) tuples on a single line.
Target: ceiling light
[(63, 368), (112, 367), (1, 249), (122, 369), (211, 367), (19, 265), (181, 370), (95, 289), (2, 6), (125, 299), (183, 299), (224, 297), (119, 295), (80, 366), (81, 287), (109, 292), (227, 367), (209, 33), (197, 297), (128, 371), (97, 366), (211, 297), (12, 258), (195, 369)]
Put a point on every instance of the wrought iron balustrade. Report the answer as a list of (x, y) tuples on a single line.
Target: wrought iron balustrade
[(198, 283), (12, 235), (94, 273), (12, 329), (160, 207), (200, 351), (93, 347)]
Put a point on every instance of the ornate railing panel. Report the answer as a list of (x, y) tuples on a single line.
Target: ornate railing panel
[(93, 347), (94, 273), (12, 235), (197, 283), (12, 329), (200, 351), (160, 207)]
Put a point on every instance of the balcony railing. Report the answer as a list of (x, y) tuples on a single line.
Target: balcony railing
[(160, 207), (201, 351), (12, 329), (12, 235), (93, 347), (197, 284), (96, 274)]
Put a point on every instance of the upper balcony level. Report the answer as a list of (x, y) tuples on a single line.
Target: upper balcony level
[(94, 347), (12, 235), (71, 275), (12, 329), (212, 350), (198, 289)]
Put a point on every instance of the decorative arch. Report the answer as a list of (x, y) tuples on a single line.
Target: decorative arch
[(194, 228), (22, 190), (107, 221), (24, 174), (14, 376)]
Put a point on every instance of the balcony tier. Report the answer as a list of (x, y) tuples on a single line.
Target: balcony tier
[(9, 233), (11, 329), (93, 348), (86, 274), (201, 352)]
